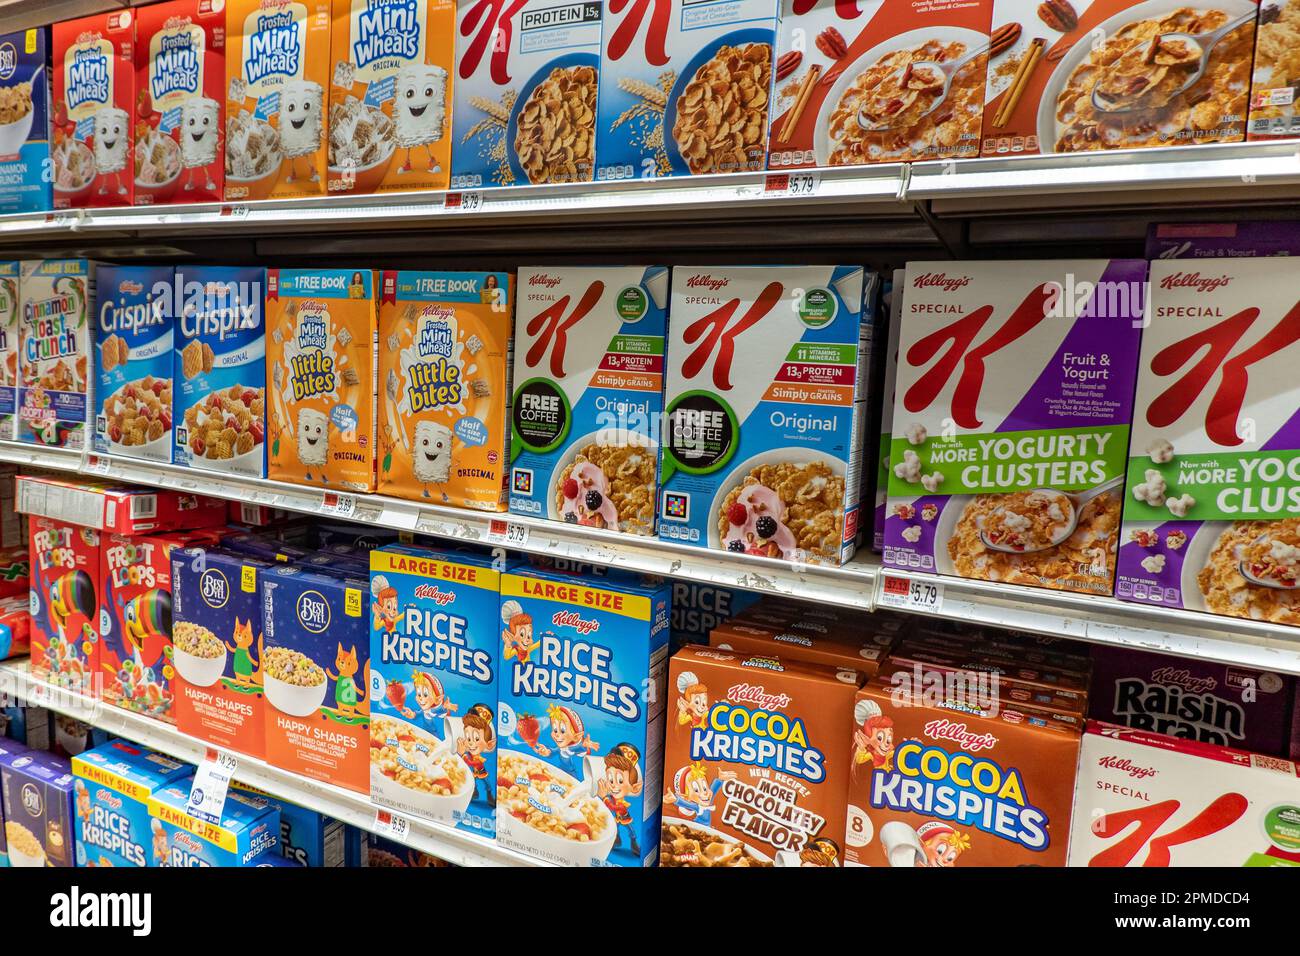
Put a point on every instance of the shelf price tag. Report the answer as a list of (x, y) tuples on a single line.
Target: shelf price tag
[(338, 506), (96, 465), (463, 202), (404, 519), (234, 212), (211, 781), (792, 184), (910, 594), (392, 825), (509, 533)]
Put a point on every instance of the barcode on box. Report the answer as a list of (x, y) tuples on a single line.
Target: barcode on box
[(144, 506)]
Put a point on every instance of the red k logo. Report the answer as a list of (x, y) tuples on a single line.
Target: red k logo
[(491, 23), (656, 33), (712, 332), (551, 324)]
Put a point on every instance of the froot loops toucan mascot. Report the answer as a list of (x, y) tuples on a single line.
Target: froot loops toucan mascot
[(147, 625), (71, 593)]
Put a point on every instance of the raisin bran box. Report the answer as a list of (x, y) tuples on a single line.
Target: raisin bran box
[(433, 683), (249, 829), (1014, 390), (65, 597), (526, 78), (1211, 520), (589, 374), (765, 399), (656, 63), (39, 820), (837, 62), (55, 341), (10, 324), (25, 140), (1272, 90), (580, 716)]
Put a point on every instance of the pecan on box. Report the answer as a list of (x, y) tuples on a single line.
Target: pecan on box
[(831, 42), (787, 63), (1004, 38), (1059, 15)]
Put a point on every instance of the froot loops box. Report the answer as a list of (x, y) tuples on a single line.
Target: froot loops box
[(111, 794), (433, 684), (65, 593), (54, 341), (25, 112), (10, 311), (249, 828)]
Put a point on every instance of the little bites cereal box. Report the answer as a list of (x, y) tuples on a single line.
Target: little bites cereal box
[(10, 310), (589, 374), (93, 128), (1273, 94), (1011, 420), (444, 371), (526, 92), (660, 70), (879, 81), (321, 364), (390, 92), (134, 349), (64, 603), (1069, 76), (54, 341), (277, 73), (180, 78), (766, 411)]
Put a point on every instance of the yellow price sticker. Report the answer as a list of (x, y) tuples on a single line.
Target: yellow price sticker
[(248, 579)]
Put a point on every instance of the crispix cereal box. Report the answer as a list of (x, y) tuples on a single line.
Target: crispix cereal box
[(433, 650), (25, 178), (65, 593), (55, 342), (111, 792), (581, 697), (248, 829), (10, 311)]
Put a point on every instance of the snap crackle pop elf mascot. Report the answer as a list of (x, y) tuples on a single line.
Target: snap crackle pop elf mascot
[(622, 779), (693, 704), (693, 794), (479, 738), (517, 638)]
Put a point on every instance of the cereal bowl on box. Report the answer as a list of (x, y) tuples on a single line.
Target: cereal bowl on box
[(200, 656), (406, 763), (574, 73), (635, 464), (525, 784), (24, 849), (294, 683)]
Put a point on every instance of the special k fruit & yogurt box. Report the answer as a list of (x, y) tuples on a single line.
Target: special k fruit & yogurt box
[(1011, 420), (765, 399), (55, 340)]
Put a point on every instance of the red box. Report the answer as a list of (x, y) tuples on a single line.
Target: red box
[(15, 565), (64, 603), (15, 630), (119, 510)]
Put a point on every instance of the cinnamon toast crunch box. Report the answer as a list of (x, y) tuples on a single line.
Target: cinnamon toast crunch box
[(55, 341)]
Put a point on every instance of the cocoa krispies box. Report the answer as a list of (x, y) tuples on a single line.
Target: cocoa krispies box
[(55, 341), (65, 597), (684, 90), (589, 378), (1011, 419), (1068, 76), (878, 81), (1272, 93), (765, 400), (526, 79)]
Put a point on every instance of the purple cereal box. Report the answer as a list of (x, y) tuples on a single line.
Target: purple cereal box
[(38, 815), (1227, 240)]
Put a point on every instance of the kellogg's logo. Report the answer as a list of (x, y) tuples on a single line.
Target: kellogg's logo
[(940, 280), (957, 733), (576, 621), (756, 695), (1136, 771), (491, 23), (549, 328), (1194, 280), (541, 278), (431, 592), (1183, 678), (713, 283)]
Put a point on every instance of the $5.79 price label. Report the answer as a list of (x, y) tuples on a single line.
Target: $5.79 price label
[(911, 594)]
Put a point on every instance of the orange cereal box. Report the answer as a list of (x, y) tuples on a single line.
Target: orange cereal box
[(277, 72), (320, 360), (444, 371)]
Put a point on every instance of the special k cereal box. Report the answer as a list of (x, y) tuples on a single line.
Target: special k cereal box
[(10, 310), (1272, 93), (580, 720), (65, 599), (180, 83), (766, 408), (277, 75), (1011, 420), (321, 359), (589, 380), (93, 128), (756, 762), (659, 69), (433, 684), (1069, 76), (525, 92), (444, 368), (878, 81), (133, 348), (55, 340), (1210, 518), (390, 95)]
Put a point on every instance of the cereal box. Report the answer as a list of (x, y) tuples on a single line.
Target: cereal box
[(698, 608), (316, 673), (133, 346), (525, 92), (765, 397), (581, 699), (8, 750), (55, 341), (277, 73), (180, 63), (433, 641), (307, 838), (390, 93), (1272, 93), (1210, 516), (1067, 76), (121, 510), (15, 626), (65, 603), (38, 812), (1221, 240), (381, 852), (220, 370), (248, 829), (321, 357), (589, 375), (10, 310), (1011, 420), (93, 127), (1148, 800), (879, 81), (25, 122), (112, 789), (655, 81), (756, 761), (815, 642)]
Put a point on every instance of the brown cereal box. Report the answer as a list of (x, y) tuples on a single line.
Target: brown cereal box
[(810, 641), (1277, 69)]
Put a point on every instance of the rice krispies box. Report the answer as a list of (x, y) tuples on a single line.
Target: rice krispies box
[(180, 62), (1011, 420), (444, 365), (589, 373), (765, 395), (526, 82), (133, 347), (580, 721), (112, 788), (25, 112), (661, 68), (1276, 68), (249, 829), (433, 684), (839, 63), (65, 596), (55, 341), (38, 809), (10, 313)]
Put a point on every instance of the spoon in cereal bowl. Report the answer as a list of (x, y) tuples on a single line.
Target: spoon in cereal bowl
[(1045, 519), (1270, 563), (884, 107)]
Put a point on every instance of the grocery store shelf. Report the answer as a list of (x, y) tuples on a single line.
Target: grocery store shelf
[(454, 846)]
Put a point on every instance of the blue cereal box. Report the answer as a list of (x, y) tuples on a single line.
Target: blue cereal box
[(766, 411), (698, 608), (133, 346), (112, 789), (10, 310), (249, 827), (307, 838), (581, 700), (589, 385), (54, 342), (8, 749), (220, 370), (38, 815), (433, 675), (25, 171)]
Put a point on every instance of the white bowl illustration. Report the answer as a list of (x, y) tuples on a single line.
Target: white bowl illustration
[(199, 671), (18, 858), (605, 436), (771, 456), (294, 699), (558, 848)]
